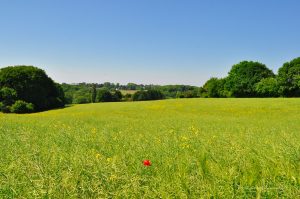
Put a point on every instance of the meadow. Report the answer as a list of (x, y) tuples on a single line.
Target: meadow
[(199, 148)]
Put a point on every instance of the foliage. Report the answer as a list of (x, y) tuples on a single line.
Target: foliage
[(147, 95), (214, 87), (117, 96), (32, 85), (2, 106), (104, 95), (154, 95), (8, 96), (80, 100), (85, 90), (243, 76), (177, 91), (198, 148), (94, 94), (128, 97), (22, 107), (140, 96), (267, 87), (289, 78)]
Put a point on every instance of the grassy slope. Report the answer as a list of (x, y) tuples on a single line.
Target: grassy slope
[(198, 147)]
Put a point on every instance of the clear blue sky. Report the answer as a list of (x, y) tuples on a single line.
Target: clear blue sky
[(147, 41)]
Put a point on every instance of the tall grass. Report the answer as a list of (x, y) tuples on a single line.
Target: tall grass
[(199, 148)]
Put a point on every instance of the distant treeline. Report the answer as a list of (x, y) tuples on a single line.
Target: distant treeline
[(245, 79), (109, 92), (25, 89)]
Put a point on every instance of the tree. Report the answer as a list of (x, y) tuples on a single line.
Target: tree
[(104, 95), (140, 96), (147, 95), (289, 78), (94, 93), (267, 87), (128, 97), (179, 94), (154, 95), (243, 77), (80, 100), (117, 96), (214, 87), (32, 85)]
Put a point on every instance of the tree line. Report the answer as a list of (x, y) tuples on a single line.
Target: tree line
[(245, 79), (25, 89), (254, 79), (82, 93)]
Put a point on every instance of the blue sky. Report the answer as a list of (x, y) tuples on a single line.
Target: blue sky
[(147, 41)]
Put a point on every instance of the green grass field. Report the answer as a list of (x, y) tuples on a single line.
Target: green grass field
[(199, 148)]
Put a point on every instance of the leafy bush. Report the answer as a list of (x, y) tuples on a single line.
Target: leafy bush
[(22, 107), (7, 96)]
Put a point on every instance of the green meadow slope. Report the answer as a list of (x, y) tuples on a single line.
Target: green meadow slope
[(199, 148)]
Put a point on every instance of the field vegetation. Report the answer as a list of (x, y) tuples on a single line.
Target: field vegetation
[(198, 148)]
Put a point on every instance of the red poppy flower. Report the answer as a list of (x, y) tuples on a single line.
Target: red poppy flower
[(147, 163)]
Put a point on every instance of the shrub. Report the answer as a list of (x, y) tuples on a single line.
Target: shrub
[(8, 96), (22, 107)]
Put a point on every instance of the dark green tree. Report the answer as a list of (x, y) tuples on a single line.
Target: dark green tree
[(243, 77), (140, 96), (117, 96), (32, 85), (289, 78), (154, 95), (147, 95), (104, 95)]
